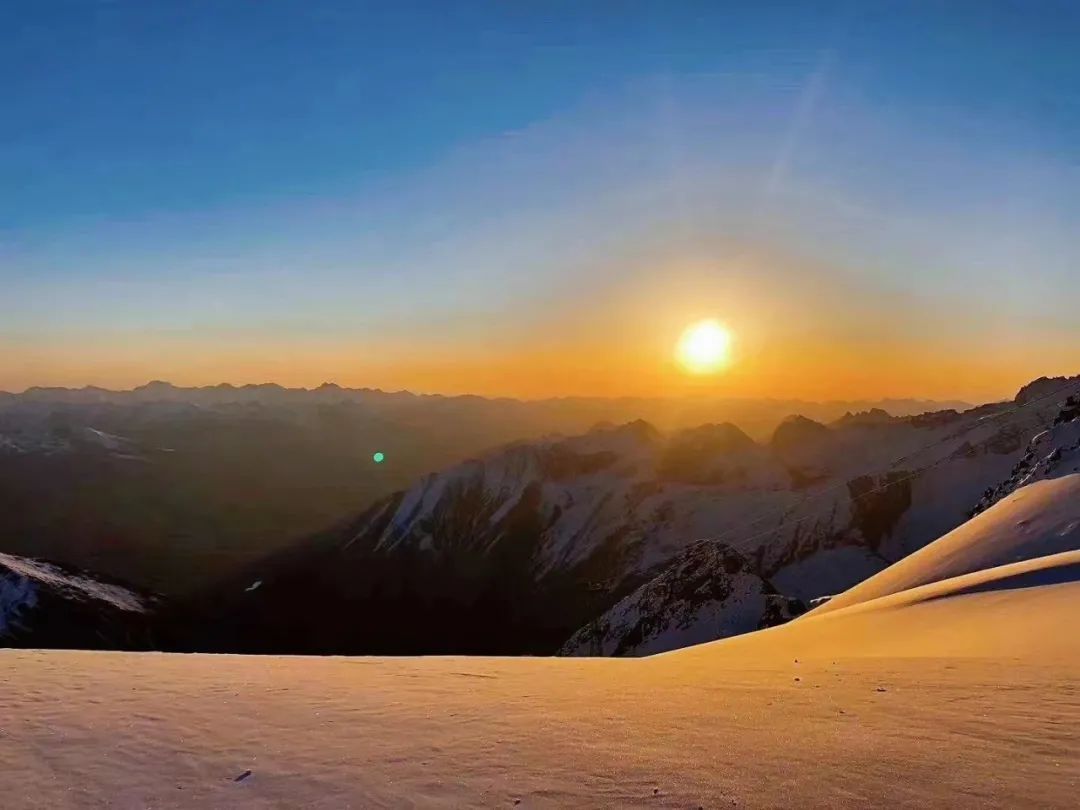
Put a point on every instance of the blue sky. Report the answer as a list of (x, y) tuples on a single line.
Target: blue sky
[(387, 186)]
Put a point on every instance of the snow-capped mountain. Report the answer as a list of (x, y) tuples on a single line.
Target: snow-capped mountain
[(47, 605), (173, 488), (620, 502), (517, 550), (708, 592)]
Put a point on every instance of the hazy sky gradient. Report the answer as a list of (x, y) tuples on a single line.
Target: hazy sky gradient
[(533, 199)]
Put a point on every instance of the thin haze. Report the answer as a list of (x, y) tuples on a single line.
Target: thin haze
[(879, 199)]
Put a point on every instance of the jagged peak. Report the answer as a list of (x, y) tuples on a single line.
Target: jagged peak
[(874, 416)]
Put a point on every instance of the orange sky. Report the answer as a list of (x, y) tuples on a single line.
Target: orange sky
[(798, 333)]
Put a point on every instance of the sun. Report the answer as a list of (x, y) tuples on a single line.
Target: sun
[(704, 347)]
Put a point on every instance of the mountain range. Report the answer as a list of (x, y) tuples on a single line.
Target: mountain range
[(518, 550), (172, 488), (629, 539)]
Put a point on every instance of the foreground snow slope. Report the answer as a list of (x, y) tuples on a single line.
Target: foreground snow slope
[(959, 694), (708, 730)]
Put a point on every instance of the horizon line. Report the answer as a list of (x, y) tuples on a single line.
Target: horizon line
[(442, 395)]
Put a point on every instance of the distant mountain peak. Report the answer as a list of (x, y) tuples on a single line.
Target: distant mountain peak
[(873, 416), (796, 430), (718, 434), (639, 430)]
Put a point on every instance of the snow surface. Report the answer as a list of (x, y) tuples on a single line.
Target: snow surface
[(724, 725)]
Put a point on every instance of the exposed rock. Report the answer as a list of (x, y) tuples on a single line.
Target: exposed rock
[(708, 592), (1051, 453), (879, 503)]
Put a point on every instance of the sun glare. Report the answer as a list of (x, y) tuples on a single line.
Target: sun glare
[(704, 347)]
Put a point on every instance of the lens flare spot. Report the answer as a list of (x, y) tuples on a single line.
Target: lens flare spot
[(379, 458)]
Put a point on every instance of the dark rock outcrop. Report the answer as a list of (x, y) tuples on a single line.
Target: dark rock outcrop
[(47, 605)]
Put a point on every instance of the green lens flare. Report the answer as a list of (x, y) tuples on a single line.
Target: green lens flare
[(378, 458)]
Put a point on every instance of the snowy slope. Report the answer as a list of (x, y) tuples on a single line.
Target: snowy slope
[(46, 605), (1023, 610), (1004, 584), (1053, 452), (1036, 511), (1042, 519), (1038, 520)]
